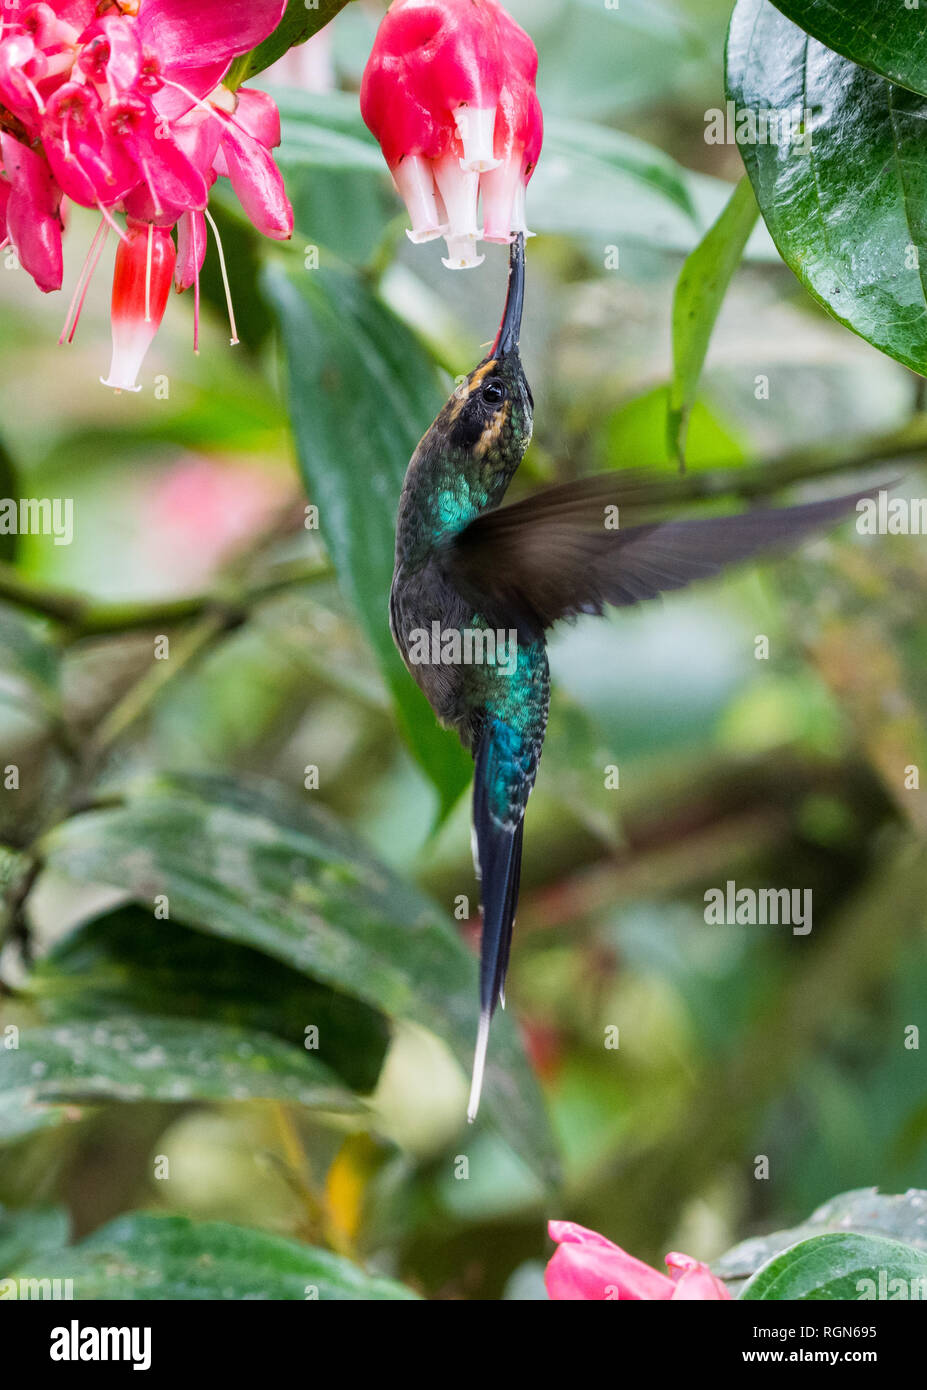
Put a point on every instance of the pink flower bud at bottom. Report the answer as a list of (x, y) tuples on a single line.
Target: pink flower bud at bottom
[(141, 286)]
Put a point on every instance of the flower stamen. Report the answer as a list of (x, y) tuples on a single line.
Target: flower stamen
[(225, 278), (83, 282)]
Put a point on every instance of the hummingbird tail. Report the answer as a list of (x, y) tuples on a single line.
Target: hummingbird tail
[(479, 1063), (498, 863)]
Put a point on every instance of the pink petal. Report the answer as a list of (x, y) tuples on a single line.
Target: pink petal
[(587, 1266), (89, 164), (171, 102), (257, 113), (401, 122), (258, 183), (191, 249), (50, 30), (111, 54), (77, 13), (173, 182), (198, 134), (22, 66), (32, 216), (194, 33), (694, 1280), (5, 191)]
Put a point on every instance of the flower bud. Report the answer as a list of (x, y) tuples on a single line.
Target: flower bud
[(449, 92), (141, 286)]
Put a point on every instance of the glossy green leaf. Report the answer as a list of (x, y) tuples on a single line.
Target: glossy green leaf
[(839, 1266), (864, 1212), (129, 963), (362, 392), (700, 292), (252, 864), (844, 194), (888, 36), (143, 1256), (299, 23), (137, 1057)]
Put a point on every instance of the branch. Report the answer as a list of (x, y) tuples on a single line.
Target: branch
[(85, 617)]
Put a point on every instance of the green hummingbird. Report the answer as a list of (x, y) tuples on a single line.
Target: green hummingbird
[(477, 585)]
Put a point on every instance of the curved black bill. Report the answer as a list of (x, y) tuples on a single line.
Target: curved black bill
[(510, 328)]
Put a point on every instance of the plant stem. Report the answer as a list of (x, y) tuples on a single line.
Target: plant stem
[(84, 617)]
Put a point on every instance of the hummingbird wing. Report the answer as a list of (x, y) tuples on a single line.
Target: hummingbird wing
[(557, 554)]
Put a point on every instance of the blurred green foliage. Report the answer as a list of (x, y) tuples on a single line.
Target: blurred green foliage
[(280, 782)]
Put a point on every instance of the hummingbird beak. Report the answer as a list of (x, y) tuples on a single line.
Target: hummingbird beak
[(510, 329)]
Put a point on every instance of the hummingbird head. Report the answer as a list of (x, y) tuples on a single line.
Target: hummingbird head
[(491, 414)]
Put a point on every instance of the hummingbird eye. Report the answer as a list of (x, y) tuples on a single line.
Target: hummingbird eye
[(493, 391)]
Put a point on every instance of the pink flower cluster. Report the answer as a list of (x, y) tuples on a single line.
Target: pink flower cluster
[(588, 1266), (119, 105), (449, 92)]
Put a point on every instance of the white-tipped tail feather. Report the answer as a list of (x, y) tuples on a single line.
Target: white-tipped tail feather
[(479, 1063)]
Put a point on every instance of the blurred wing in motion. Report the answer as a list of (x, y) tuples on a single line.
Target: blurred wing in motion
[(552, 555)]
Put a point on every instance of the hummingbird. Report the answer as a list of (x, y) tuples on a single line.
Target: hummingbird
[(467, 565)]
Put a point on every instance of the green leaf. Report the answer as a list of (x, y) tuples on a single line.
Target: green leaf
[(637, 430), (298, 24), (848, 214), (128, 963), (28, 665), (592, 181), (700, 292), (250, 863), (325, 132), (143, 1256), (9, 487), (865, 1211), (839, 1266), (362, 392), (885, 35), (136, 1057), (24, 1234), (334, 173)]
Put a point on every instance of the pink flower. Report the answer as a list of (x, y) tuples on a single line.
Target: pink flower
[(141, 285), (119, 105), (587, 1266), (449, 92)]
